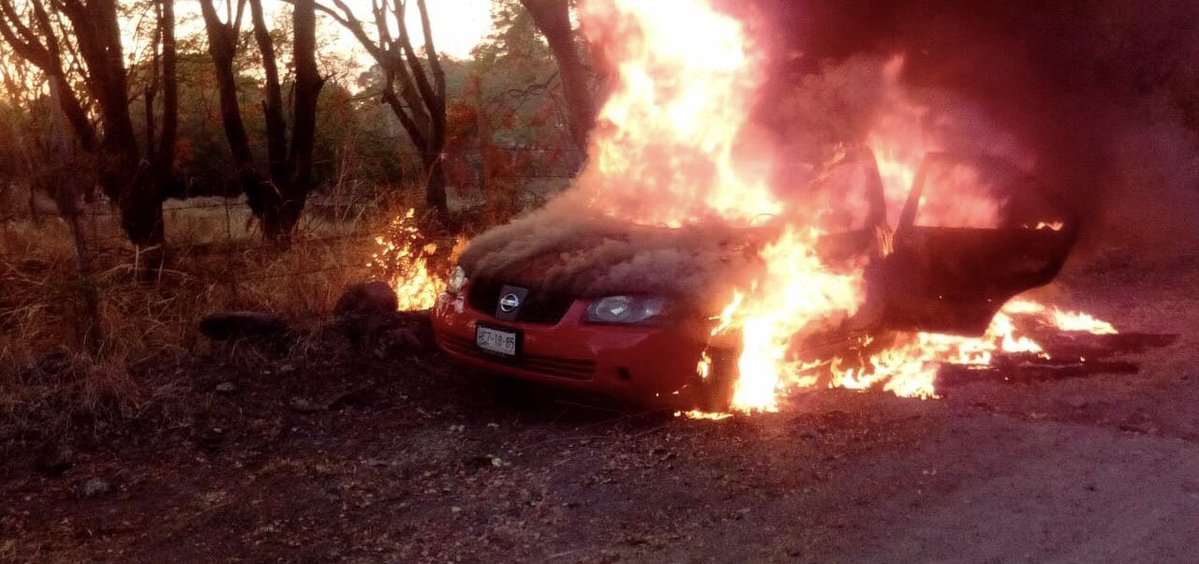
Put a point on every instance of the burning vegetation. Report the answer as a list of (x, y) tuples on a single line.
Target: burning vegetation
[(403, 261), (409, 260)]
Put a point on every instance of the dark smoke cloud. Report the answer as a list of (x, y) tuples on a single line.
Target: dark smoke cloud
[(1103, 93)]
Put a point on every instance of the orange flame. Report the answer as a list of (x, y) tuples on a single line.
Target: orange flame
[(703, 415), (1083, 322), (684, 84), (909, 368), (403, 257), (795, 293), (1050, 225)]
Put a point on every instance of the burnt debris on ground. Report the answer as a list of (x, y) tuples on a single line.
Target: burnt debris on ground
[(1066, 355)]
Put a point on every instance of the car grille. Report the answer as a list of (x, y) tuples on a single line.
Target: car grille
[(540, 306), (548, 365)]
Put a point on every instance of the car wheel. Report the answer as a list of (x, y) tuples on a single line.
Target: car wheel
[(715, 393)]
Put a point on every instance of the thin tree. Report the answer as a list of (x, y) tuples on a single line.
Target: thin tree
[(50, 162), (86, 37), (161, 152), (276, 196), (413, 82), (552, 18)]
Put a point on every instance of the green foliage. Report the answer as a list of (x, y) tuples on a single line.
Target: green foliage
[(517, 78), (359, 139)]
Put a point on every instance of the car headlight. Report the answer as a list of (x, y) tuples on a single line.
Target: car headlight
[(457, 281), (626, 310)]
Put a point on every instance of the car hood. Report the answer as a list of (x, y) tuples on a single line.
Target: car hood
[(589, 256)]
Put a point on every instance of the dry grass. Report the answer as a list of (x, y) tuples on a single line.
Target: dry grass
[(49, 380)]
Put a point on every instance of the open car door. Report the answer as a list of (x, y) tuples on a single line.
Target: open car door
[(973, 233), (850, 207)]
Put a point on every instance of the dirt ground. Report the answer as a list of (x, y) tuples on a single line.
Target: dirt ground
[(411, 459)]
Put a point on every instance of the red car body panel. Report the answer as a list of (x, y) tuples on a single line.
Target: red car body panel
[(628, 362)]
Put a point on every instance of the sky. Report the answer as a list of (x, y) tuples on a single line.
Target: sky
[(458, 25)]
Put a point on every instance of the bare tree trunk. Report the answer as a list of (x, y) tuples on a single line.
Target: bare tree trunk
[(272, 107), (93, 331), (44, 52), (435, 184), (270, 201), (34, 36), (435, 101), (552, 18), (309, 82), (123, 172), (278, 197), (420, 102), (63, 187), (222, 45), (159, 179), (165, 158)]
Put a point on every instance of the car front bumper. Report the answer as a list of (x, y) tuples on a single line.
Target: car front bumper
[(645, 363)]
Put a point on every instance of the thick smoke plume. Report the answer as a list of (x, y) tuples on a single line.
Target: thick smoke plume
[(1102, 96), (1099, 99)]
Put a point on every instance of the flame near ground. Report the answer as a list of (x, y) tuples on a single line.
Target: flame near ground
[(403, 261)]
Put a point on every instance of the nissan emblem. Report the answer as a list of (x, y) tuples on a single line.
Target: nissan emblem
[(509, 303)]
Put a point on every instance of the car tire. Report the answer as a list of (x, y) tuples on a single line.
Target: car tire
[(715, 393)]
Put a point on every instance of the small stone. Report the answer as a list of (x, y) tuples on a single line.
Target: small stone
[(95, 487), (226, 387)]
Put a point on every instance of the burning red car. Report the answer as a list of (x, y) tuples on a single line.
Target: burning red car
[(634, 311), (521, 317)]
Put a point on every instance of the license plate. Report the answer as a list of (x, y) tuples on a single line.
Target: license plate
[(496, 340)]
